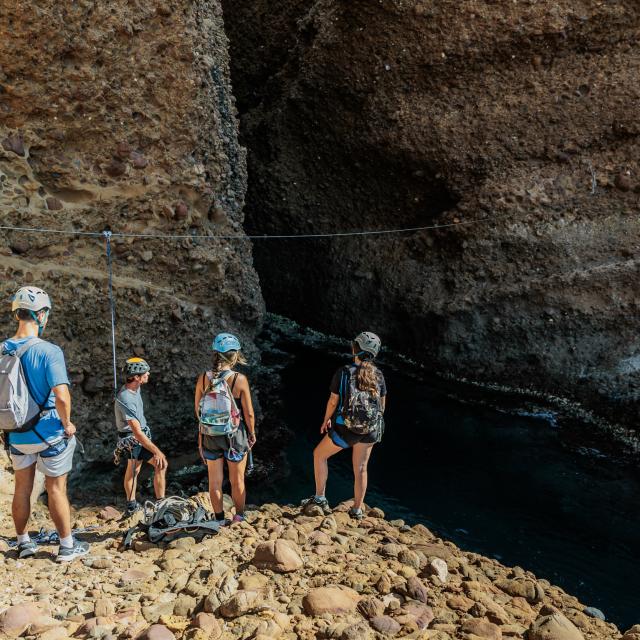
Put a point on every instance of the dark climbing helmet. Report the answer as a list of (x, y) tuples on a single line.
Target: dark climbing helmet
[(368, 342), (136, 367), (224, 342)]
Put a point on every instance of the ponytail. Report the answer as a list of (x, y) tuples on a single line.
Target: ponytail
[(228, 359), (368, 378)]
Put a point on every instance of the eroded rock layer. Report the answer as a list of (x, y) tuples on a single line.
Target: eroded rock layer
[(120, 115), (518, 120)]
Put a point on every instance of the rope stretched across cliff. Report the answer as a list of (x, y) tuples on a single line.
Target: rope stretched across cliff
[(340, 234)]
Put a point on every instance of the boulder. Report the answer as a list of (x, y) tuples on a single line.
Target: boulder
[(438, 567), (371, 608), (554, 627), (386, 625), (25, 616), (281, 556), (633, 633), (419, 613), (243, 602), (417, 590), (156, 632), (528, 589), (208, 623), (481, 629), (330, 600)]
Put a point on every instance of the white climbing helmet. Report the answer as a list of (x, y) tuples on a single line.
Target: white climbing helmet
[(30, 298), (369, 343)]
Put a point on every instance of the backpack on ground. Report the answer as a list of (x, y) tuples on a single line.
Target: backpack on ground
[(173, 517), (18, 410), (363, 413), (219, 413)]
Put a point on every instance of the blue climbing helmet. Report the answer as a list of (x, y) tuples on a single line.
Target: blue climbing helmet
[(224, 342)]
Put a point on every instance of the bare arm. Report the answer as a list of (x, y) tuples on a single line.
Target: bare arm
[(332, 405), (198, 394), (383, 403), (63, 407)]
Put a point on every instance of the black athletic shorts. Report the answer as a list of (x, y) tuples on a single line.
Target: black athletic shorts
[(343, 437)]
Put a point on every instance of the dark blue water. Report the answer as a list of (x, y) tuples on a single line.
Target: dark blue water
[(509, 487)]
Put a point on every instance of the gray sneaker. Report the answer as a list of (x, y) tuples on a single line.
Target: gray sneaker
[(27, 549), (67, 554), (356, 514), (322, 503)]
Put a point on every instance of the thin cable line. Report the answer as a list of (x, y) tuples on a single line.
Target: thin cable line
[(107, 237), (342, 234)]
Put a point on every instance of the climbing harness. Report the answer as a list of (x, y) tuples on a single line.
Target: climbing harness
[(126, 444), (173, 517)]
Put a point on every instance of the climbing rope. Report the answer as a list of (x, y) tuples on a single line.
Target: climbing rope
[(341, 234), (107, 236)]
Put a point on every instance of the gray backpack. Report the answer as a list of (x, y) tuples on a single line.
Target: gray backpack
[(18, 410)]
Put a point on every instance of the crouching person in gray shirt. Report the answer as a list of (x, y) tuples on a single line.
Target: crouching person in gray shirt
[(134, 436)]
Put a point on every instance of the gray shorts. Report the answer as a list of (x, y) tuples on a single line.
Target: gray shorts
[(50, 463), (233, 448)]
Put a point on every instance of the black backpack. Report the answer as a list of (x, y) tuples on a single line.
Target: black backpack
[(362, 414)]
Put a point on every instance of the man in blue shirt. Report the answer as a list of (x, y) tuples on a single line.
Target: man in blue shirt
[(50, 443)]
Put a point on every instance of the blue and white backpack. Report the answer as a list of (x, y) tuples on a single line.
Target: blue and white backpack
[(219, 413)]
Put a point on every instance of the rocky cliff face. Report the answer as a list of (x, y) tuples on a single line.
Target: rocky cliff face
[(120, 115), (516, 120)]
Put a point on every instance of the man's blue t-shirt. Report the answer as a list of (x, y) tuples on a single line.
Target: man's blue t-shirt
[(44, 367)]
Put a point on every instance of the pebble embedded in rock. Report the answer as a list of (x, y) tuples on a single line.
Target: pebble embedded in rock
[(53, 204)]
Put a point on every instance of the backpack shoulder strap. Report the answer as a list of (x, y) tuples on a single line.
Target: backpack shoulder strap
[(22, 349)]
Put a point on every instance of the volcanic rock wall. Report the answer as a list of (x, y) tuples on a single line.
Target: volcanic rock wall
[(120, 115), (517, 120)]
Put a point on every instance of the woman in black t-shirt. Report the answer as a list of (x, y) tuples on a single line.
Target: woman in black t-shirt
[(352, 419)]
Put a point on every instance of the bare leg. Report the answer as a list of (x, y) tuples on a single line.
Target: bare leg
[(59, 504), (236, 478), (131, 478), (361, 453), (159, 480), (321, 454), (21, 506), (216, 476)]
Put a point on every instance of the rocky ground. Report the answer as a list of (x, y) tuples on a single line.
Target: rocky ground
[(400, 113), (120, 115), (281, 574)]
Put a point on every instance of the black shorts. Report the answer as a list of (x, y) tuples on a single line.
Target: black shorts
[(233, 448), (138, 452), (343, 437)]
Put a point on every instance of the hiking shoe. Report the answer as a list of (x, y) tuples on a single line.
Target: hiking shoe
[(67, 554), (356, 514), (229, 521), (322, 503), (132, 507), (27, 549)]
